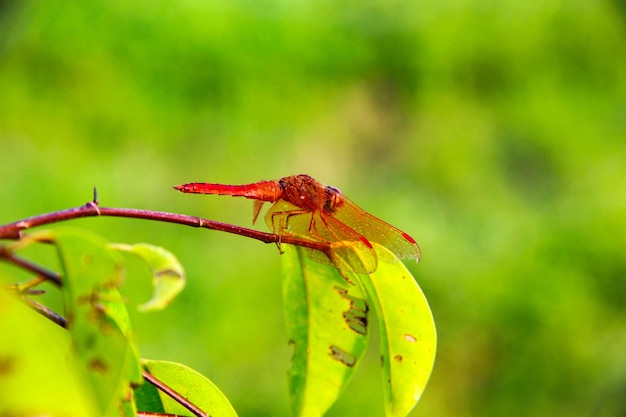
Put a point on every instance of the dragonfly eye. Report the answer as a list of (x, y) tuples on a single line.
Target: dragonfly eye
[(334, 199)]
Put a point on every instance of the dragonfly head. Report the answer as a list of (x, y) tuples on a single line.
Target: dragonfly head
[(334, 200)]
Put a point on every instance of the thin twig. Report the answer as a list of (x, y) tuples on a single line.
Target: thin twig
[(32, 267), (175, 395), (91, 209), (46, 312)]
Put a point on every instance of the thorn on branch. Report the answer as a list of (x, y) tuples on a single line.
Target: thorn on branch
[(94, 202)]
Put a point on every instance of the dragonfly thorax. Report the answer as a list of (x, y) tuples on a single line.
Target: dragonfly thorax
[(305, 192)]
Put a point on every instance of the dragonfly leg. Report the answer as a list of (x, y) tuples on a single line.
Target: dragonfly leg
[(279, 223), (282, 226), (313, 230), (345, 276), (280, 250), (278, 232)]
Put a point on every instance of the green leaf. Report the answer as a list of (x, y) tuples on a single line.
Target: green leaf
[(168, 275), (190, 384), (97, 317), (327, 325), (407, 333), (38, 376)]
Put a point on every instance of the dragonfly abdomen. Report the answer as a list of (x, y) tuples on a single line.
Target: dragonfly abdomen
[(262, 191)]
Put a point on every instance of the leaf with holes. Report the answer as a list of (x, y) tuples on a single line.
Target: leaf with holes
[(168, 275), (327, 324), (97, 318), (407, 333)]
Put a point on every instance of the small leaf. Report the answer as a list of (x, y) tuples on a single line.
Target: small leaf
[(327, 324), (97, 318), (190, 384), (407, 333), (37, 374), (168, 275)]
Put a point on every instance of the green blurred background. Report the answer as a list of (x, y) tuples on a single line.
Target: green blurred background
[(495, 134)]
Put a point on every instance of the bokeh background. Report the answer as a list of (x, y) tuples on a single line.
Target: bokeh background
[(494, 133)]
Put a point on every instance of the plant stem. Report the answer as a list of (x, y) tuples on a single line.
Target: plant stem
[(91, 209), (174, 395), (45, 311), (29, 266)]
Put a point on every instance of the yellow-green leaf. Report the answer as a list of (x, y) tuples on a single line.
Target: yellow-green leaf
[(407, 333), (185, 381), (168, 275), (327, 324), (96, 314), (38, 376)]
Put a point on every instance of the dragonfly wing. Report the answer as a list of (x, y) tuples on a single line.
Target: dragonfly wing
[(376, 230), (349, 250)]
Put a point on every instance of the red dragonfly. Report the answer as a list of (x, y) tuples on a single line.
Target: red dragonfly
[(310, 210)]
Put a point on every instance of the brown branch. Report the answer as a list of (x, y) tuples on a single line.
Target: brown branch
[(91, 209), (46, 312), (175, 395), (31, 267)]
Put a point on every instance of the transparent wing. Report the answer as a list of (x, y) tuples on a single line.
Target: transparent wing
[(376, 230), (349, 250)]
